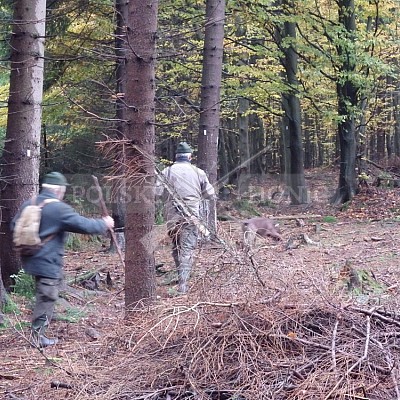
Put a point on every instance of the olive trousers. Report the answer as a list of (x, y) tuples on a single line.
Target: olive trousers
[(184, 242), (47, 290)]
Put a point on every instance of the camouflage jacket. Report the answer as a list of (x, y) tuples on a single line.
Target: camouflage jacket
[(189, 183)]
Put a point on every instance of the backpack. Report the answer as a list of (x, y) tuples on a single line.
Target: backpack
[(26, 237)]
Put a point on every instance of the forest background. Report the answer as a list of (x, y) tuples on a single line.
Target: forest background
[(273, 87), (261, 89)]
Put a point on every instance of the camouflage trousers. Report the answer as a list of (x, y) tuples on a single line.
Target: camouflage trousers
[(184, 237), (46, 296)]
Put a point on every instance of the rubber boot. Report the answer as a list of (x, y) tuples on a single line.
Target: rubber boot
[(183, 277), (41, 340), (38, 333)]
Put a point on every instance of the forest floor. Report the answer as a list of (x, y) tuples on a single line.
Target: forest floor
[(314, 316)]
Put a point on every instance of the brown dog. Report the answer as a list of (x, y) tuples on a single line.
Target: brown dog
[(259, 226)]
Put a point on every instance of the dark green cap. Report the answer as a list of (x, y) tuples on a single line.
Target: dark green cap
[(183, 147), (55, 178)]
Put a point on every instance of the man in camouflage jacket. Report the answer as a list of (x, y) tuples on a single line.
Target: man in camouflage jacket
[(191, 185)]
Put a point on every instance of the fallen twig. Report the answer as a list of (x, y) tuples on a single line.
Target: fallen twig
[(358, 362)]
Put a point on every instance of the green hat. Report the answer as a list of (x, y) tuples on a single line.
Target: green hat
[(55, 178), (183, 147)]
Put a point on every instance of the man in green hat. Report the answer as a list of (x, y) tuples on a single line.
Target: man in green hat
[(46, 265), (192, 186)]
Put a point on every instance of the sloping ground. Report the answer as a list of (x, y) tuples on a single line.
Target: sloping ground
[(314, 320)]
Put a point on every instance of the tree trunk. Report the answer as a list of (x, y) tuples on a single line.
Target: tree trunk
[(2, 294), (223, 178), (140, 93), (258, 165), (292, 120), (244, 150), (361, 136), (320, 146), (285, 151), (21, 155), (396, 117), (389, 145), (380, 144), (232, 150), (210, 95), (309, 156), (347, 102), (270, 156), (372, 148), (120, 185)]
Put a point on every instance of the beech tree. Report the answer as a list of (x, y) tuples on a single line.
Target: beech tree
[(292, 110), (210, 94), (347, 94), (140, 114), (21, 154)]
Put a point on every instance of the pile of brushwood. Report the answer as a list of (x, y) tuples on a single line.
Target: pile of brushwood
[(265, 331)]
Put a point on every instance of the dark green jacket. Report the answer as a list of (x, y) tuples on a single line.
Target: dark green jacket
[(57, 219)]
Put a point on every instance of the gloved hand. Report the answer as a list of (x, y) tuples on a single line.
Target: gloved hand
[(109, 222)]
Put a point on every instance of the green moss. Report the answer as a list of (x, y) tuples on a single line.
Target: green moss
[(329, 219)]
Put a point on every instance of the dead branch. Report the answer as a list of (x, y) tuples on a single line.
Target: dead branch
[(375, 314), (358, 362), (334, 334), (308, 241), (379, 166)]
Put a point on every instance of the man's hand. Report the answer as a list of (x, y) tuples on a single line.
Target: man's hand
[(109, 222)]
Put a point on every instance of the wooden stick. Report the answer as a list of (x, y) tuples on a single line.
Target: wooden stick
[(105, 214)]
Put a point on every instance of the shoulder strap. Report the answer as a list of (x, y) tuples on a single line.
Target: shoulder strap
[(47, 201), (41, 205)]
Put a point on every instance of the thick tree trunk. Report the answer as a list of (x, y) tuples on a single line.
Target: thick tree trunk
[(292, 121), (140, 92), (211, 87), (347, 101), (210, 95), (347, 176), (21, 155)]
